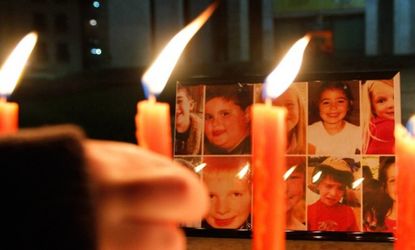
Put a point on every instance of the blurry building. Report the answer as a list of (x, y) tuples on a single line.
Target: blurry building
[(72, 34), (78, 35)]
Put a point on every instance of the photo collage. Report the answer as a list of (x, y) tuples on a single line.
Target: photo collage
[(340, 162)]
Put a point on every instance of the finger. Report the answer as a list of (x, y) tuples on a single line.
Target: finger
[(145, 185)]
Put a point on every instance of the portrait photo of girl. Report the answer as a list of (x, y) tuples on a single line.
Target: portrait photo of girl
[(293, 99), (334, 126), (378, 109), (379, 194), (295, 180)]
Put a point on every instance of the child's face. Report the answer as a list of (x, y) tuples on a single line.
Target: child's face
[(295, 189), (333, 106), (289, 101), (226, 124), (391, 181), (331, 191), (230, 199), (183, 108), (382, 100)]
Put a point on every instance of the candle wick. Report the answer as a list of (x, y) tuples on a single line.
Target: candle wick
[(152, 99), (268, 101)]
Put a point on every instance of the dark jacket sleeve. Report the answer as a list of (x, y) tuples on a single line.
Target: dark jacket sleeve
[(45, 196)]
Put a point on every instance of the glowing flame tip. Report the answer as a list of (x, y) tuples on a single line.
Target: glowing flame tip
[(157, 75), (13, 67), (278, 81)]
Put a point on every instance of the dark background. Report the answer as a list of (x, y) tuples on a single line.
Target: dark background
[(87, 65)]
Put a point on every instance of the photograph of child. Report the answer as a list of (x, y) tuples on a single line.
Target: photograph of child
[(296, 183), (334, 118), (227, 119), (340, 163), (195, 164), (293, 99), (228, 180), (188, 122), (379, 194), (332, 179), (378, 123)]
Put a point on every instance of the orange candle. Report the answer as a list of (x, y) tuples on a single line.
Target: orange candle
[(8, 116), (153, 118), (153, 123), (269, 139), (405, 158), (10, 73), (269, 145)]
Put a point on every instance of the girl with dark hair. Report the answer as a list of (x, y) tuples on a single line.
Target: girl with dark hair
[(334, 134), (387, 179)]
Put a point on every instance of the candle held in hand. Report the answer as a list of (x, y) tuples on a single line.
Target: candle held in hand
[(153, 119)]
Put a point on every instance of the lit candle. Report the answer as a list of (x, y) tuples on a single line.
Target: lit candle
[(153, 118), (10, 73), (405, 158), (268, 149)]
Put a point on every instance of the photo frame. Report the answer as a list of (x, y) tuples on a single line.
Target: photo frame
[(350, 177)]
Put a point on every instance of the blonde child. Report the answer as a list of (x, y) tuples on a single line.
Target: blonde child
[(293, 101), (378, 117), (295, 193)]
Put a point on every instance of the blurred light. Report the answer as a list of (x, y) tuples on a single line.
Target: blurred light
[(93, 22), (316, 177), (96, 4), (241, 174), (289, 172), (96, 51), (357, 182), (199, 167)]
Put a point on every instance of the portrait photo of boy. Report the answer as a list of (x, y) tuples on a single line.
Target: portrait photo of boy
[(332, 180)]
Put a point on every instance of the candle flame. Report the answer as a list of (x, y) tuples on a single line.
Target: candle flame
[(357, 182), (241, 174), (289, 172), (156, 76), (285, 72), (199, 167), (13, 67)]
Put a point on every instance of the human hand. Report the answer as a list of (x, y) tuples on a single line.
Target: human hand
[(141, 197)]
